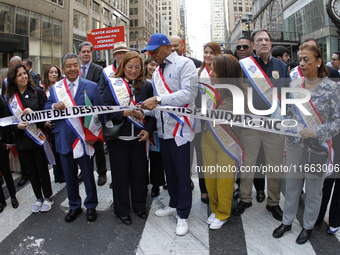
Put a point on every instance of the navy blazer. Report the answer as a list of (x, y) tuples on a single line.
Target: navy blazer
[(63, 134)]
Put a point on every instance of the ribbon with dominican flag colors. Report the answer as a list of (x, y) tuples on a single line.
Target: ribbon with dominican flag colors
[(80, 147), (182, 132), (205, 73), (311, 120), (228, 142), (35, 133), (261, 83), (92, 124)]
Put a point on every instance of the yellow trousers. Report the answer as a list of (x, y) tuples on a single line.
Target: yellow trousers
[(220, 185)]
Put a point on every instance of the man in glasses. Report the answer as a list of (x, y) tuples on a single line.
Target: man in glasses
[(244, 48)]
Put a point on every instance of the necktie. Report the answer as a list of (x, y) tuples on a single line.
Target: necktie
[(71, 87), (162, 66), (83, 74)]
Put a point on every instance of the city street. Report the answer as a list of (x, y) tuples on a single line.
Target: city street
[(47, 233)]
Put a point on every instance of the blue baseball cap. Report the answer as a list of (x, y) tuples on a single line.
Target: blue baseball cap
[(155, 41)]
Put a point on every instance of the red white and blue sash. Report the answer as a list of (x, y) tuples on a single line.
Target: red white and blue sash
[(228, 142), (296, 73), (205, 73), (182, 132), (80, 147), (260, 82), (311, 120), (122, 94), (35, 133)]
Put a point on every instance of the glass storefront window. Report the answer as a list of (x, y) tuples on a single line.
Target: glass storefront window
[(21, 27), (57, 31), (6, 18), (35, 25), (57, 50), (34, 47), (46, 28), (46, 49)]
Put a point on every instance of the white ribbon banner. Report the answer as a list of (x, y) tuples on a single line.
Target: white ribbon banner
[(283, 127)]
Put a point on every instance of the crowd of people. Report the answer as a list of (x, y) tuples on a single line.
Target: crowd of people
[(169, 141)]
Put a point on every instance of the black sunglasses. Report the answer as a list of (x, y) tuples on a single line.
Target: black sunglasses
[(245, 47)]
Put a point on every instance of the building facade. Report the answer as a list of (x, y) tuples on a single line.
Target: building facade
[(218, 22), (170, 11)]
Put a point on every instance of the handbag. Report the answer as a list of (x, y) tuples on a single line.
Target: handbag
[(112, 129), (314, 157)]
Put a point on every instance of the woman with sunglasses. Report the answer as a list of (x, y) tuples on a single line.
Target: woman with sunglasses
[(320, 127)]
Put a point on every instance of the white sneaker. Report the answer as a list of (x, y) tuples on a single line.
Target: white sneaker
[(182, 226), (165, 211), (47, 205), (332, 231), (217, 224), (211, 218), (37, 206)]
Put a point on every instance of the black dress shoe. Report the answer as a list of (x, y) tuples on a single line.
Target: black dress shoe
[(276, 211), (2, 206), (240, 208), (279, 231), (73, 214), (260, 196), (14, 203), (22, 181), (1, 180), (236, 194), (101, 180), (304, 236), (111, 185), (91, 214), (154, 191), (80, 177), (125, 219), (205, 199), (165, 186), (141, 214)]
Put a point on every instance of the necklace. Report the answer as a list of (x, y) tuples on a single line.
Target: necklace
[(313, 81)]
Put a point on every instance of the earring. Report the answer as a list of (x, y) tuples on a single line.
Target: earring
[(318, 66)]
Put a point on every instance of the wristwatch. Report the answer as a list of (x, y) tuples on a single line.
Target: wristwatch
[(159, 99)]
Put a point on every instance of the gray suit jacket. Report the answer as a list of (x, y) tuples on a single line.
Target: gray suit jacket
[(94, 72)]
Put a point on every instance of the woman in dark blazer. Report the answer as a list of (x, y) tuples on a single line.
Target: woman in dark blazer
[(128, 157), (24, 97)]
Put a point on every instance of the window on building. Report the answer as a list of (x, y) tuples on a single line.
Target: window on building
[(247, 9), (240, 9), (35, 25), (57, 31), (131, 23), (83, 2), (235, 2), (131, 11), (95, 7), (95, 24), (235, 9), (240, 1), (132, 35), (136, 22), (46, 28), (79, 23), (21, 26), (106, 13), (135, 11)]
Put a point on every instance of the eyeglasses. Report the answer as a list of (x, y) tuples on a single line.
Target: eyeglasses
[(245, 47)]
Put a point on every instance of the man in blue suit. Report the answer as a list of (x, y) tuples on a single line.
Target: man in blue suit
[(70, 140)]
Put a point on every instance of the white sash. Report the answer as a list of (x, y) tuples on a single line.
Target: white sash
[(312, 120), (182, 132), (260, 82), (80, 147), (122, 94), (35, 133), (205, 73), (230, 144)]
